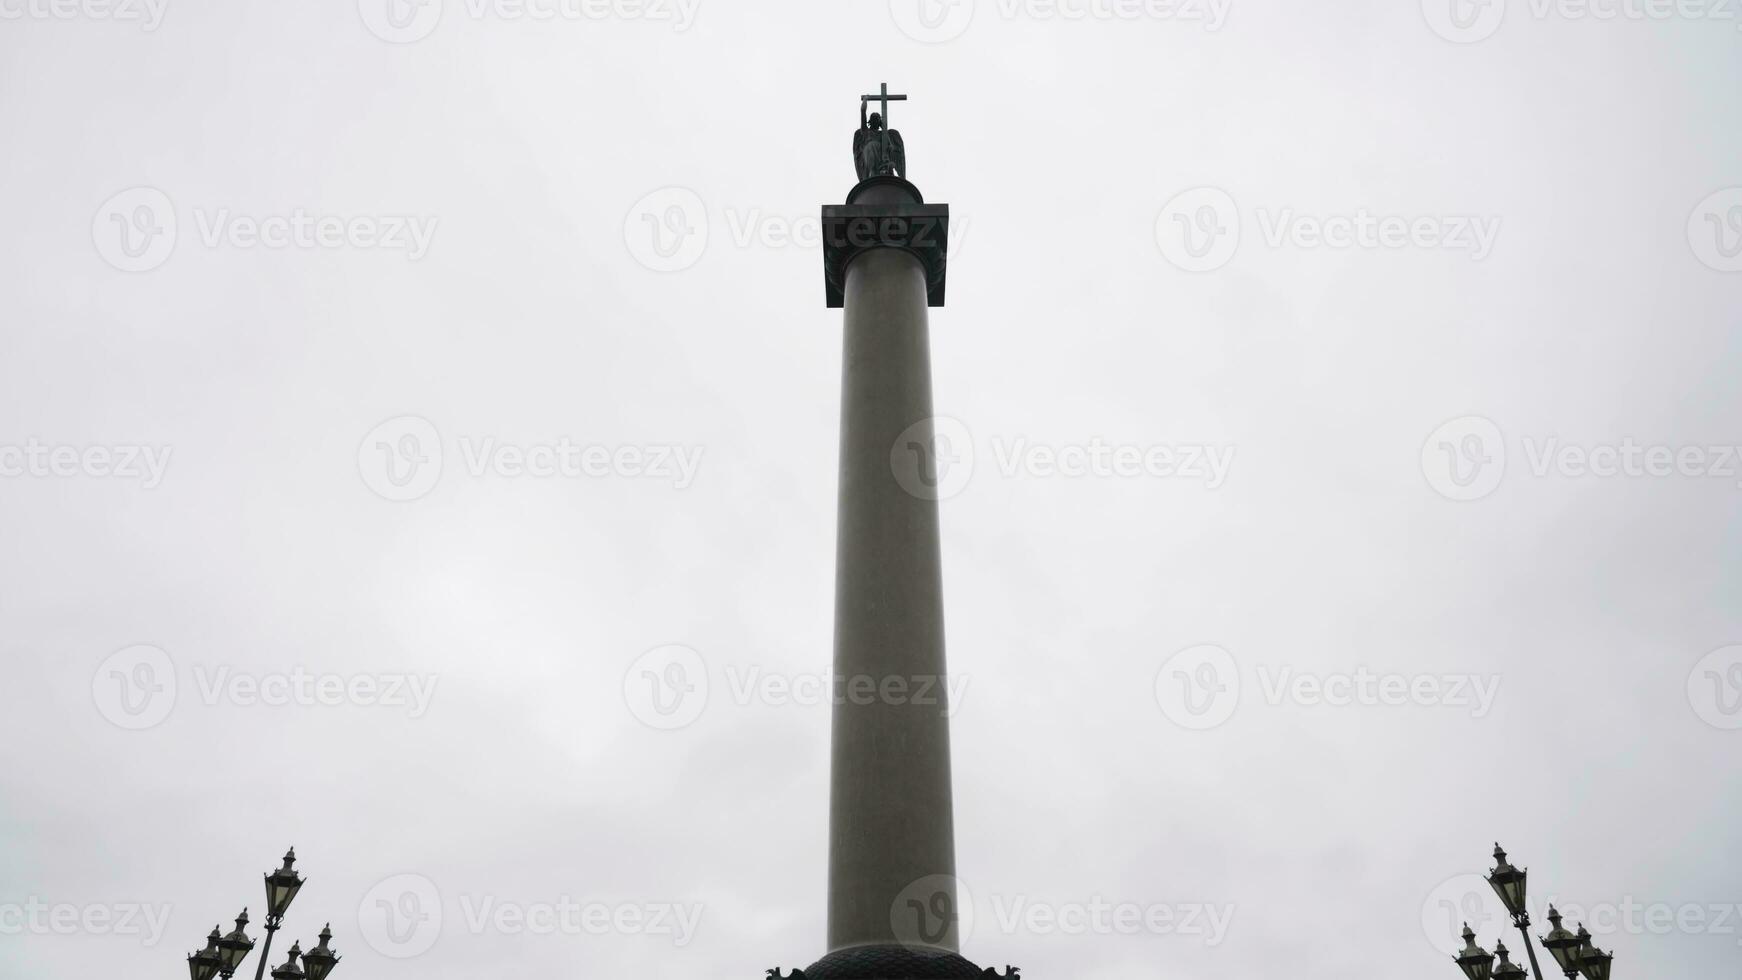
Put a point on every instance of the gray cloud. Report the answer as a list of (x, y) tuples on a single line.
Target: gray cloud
[(612, 256)]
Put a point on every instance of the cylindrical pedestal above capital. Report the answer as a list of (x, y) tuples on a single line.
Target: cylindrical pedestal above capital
[(885, 189)]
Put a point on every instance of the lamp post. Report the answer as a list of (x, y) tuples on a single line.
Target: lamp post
[(1563, 945), (1507, 969), (1508, 882), (281, 887), (319, 962), (233, 949), (1593, 962), (1572, 951), (1476, 962), (223, 955), (290, 971), (203, 965)]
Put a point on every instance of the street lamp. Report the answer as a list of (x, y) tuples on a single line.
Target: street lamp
[(1475, 961), (290, 971), (223, 955), (1563, 944), (1573, 952), (1593, 962), (281, 887), (319, 962), (203, 965), (1508, 882), (233, 949), (1508, 970)]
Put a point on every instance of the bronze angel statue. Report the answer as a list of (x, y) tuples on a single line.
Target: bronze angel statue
[(877, 150)]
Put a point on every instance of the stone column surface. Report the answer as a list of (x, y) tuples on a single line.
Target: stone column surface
[(891, 835)]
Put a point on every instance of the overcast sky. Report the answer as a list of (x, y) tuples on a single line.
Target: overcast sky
[(418, 429)]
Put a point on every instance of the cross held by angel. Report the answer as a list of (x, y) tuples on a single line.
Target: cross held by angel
[(877, 149)]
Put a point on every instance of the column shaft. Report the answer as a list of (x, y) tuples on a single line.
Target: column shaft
[(890, 824)]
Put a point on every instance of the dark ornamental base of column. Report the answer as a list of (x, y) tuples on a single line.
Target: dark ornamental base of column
[(893, 963)]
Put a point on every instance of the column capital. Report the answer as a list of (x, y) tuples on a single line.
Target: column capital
[(885, 212)]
